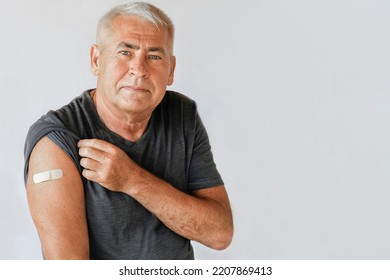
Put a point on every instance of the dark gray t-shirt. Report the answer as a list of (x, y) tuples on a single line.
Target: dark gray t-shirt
[(174, 147)]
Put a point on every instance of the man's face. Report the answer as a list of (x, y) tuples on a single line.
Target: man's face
[(134, 65)]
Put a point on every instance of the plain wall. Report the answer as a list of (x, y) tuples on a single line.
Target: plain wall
[(294, 94)]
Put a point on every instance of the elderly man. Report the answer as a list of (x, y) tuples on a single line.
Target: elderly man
[(125, 171)]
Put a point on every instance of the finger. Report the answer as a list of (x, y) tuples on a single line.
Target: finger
[(92, 153), (95, 143), (90, 164), (90, 175)]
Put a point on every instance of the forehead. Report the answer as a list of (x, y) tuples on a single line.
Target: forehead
[(125, 28)]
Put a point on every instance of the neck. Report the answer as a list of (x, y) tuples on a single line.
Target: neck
[(129, 126)]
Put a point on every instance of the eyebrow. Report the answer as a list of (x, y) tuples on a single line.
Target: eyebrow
[(135, 47), (128, 45)]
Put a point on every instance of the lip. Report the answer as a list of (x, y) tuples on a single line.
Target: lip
[(135, 88)]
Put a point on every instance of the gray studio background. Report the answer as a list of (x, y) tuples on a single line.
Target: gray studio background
[(295, 96)]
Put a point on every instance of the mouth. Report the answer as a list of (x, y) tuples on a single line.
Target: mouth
[(135, 89)]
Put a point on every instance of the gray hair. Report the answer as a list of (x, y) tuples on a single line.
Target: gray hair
[(140, 9)]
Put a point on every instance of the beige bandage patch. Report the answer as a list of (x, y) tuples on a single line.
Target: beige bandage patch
[(47, 176)]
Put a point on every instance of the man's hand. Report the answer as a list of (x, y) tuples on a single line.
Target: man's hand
[(107, 165), (204, 216)]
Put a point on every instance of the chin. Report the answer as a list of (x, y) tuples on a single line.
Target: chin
[(134, 106)]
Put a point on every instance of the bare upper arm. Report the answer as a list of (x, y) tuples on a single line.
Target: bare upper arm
[(57, 206)]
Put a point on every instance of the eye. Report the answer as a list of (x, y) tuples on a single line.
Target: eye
[(125, 53), (154, 57)]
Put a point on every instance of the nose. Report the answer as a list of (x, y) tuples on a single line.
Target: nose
[(138, 67)]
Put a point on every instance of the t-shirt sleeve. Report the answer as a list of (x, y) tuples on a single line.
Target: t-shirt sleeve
[(64, 138), (203, 172)]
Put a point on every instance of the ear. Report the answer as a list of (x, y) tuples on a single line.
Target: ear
[(94, 57), (172, 70)]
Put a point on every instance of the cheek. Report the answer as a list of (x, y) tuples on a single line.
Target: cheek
[(116, 70), (163, 77)]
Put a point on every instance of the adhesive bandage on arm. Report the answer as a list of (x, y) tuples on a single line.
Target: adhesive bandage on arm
[(47, 176)]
